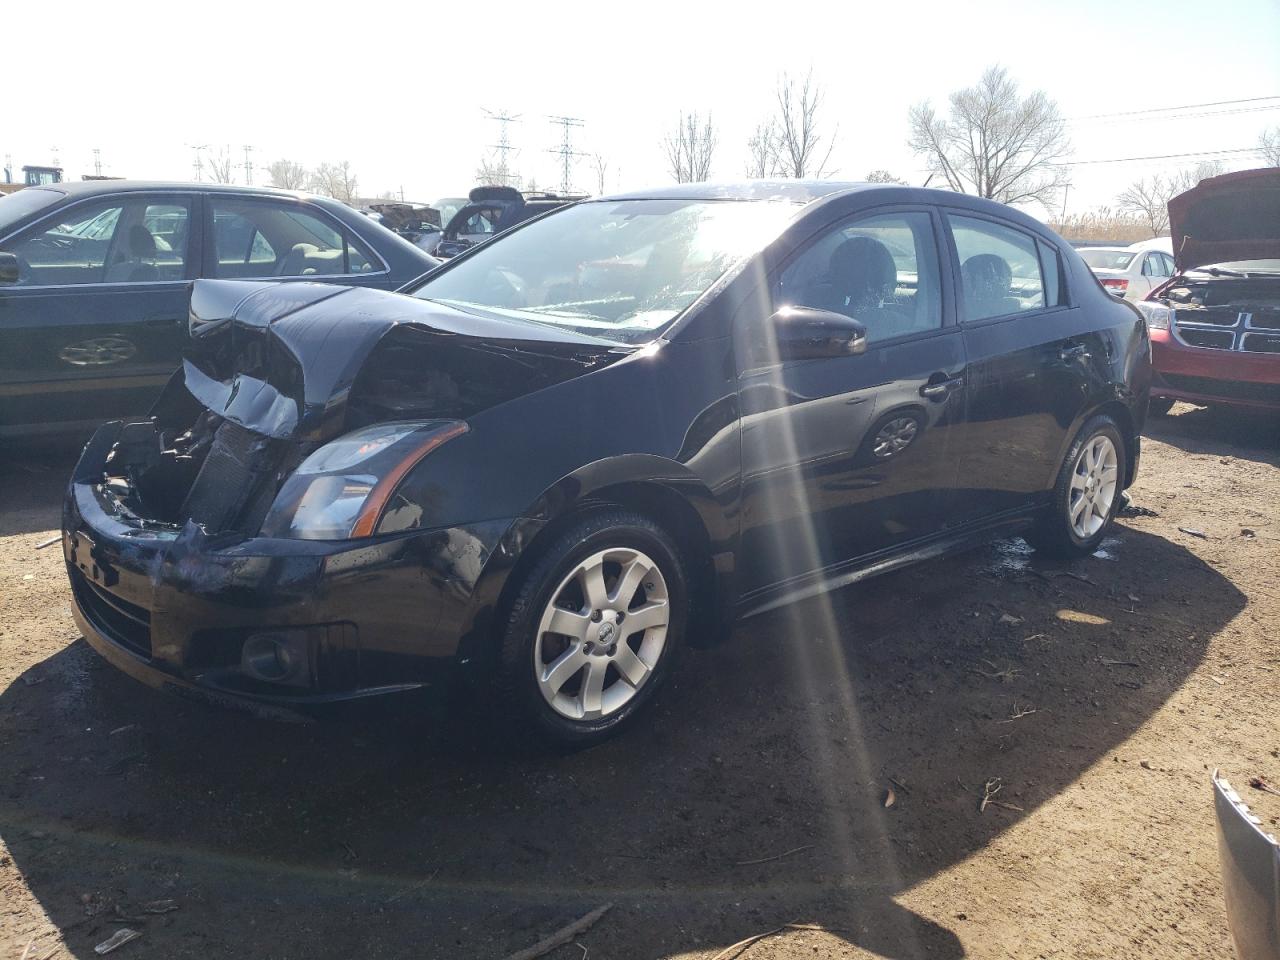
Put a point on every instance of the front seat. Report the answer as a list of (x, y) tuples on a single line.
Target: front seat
[(141, 246), (987, 280), (295, 261), (860, 282)]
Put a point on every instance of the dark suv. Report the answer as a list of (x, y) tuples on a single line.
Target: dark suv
[(614, 427), (492, 210), (95, 277)]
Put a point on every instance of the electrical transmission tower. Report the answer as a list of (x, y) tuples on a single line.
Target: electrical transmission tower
[(565, 150), (248, 166), (503, 146), (198, 164), (97, 162)]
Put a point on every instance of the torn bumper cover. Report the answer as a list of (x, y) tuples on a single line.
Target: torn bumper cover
[(1250, 860), (266, 621)]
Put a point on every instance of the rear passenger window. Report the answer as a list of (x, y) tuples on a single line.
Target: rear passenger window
[(257, 238), (999, 269), (1051, 264), (880, 270)]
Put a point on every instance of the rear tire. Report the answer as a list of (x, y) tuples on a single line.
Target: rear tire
[(1087, 493), (572, 668)]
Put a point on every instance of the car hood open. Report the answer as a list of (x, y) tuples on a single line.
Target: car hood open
[(283, 359), (1232, 217)]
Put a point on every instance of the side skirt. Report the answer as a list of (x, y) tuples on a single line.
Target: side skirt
[(846, 572)]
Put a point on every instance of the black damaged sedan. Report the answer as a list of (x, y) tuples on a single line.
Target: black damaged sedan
[(610, 432)]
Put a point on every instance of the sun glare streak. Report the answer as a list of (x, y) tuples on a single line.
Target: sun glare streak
[(816, 654)]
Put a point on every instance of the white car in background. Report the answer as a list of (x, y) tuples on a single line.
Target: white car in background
[(1127, 272)]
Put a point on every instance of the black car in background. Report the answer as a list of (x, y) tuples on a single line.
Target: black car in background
[(95, 279), (616, 426), (490, 211)]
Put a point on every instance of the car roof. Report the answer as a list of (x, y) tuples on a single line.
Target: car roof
[(87, 188)]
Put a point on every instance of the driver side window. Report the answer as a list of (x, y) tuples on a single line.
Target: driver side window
[(110, 241), (880, 270)]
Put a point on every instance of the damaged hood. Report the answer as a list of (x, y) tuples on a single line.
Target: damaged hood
[(1232, 217), (281, 359)]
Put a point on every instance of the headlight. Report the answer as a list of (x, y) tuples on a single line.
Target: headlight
[(1157, 314), (339, 492)]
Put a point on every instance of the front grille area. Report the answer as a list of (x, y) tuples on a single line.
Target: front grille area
[(1243, 331), (1227, 389), (122, 622)]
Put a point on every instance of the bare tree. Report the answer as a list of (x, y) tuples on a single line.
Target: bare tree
[(1269, 145), (602, 169), (1147, 200), (882, 176), (221, 165), (690, 148), (288, 175), (995, 143), (762, 153), (496, 173), (335, 180), (798, 137)]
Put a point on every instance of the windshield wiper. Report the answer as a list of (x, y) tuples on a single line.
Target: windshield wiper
[(1222, 272)]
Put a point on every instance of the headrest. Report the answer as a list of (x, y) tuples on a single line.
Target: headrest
[(864, 268)]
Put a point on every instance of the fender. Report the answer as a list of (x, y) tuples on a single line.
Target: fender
[(561, 499)]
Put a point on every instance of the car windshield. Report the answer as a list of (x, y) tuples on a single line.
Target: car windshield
[(621, 269), (1107, 259), (15, 206)]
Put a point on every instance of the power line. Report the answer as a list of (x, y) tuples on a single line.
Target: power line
[(1167, 156), (1182, 116), (1184, 106)]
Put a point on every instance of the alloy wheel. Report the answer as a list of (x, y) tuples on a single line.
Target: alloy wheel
[(895, 436), (1094, 479), (601, 634)]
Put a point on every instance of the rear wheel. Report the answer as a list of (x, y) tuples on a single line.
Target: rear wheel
[(1087, 493), (593, 629)]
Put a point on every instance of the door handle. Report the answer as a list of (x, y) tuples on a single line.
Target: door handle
[(1074, 351), (942, 388)]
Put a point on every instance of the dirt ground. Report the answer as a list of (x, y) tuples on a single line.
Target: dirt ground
[(1098, 698)]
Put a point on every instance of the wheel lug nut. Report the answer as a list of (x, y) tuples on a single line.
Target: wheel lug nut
[(588, 647), (613, 648), (596, 616), (621, 616)]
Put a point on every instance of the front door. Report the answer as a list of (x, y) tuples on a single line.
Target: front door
[(1030, 361), (847, 457), (96, 323)]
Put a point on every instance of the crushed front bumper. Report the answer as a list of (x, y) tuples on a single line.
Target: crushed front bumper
[(1250, 860), (174, 608)]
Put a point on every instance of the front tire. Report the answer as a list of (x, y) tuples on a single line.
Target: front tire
[(1087, 492), (593, 629)]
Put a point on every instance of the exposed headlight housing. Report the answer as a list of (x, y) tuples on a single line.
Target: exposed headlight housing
[(341, 489), (1158, 314)]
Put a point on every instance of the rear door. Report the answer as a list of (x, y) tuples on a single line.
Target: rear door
[(1030, 358), (96, 323), (846, 457)]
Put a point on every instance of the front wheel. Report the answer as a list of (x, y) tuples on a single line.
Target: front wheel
[(593, 629), (1086, 494)]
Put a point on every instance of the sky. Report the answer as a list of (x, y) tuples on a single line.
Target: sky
[(401, 91)]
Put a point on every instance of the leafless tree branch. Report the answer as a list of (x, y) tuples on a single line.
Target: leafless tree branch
[(288, 175), (690, 148), (1269, 144)]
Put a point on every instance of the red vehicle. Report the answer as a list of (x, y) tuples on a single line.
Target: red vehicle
[(1215, 324)]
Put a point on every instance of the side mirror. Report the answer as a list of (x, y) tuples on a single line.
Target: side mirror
[(807, 333), (9, 272)]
